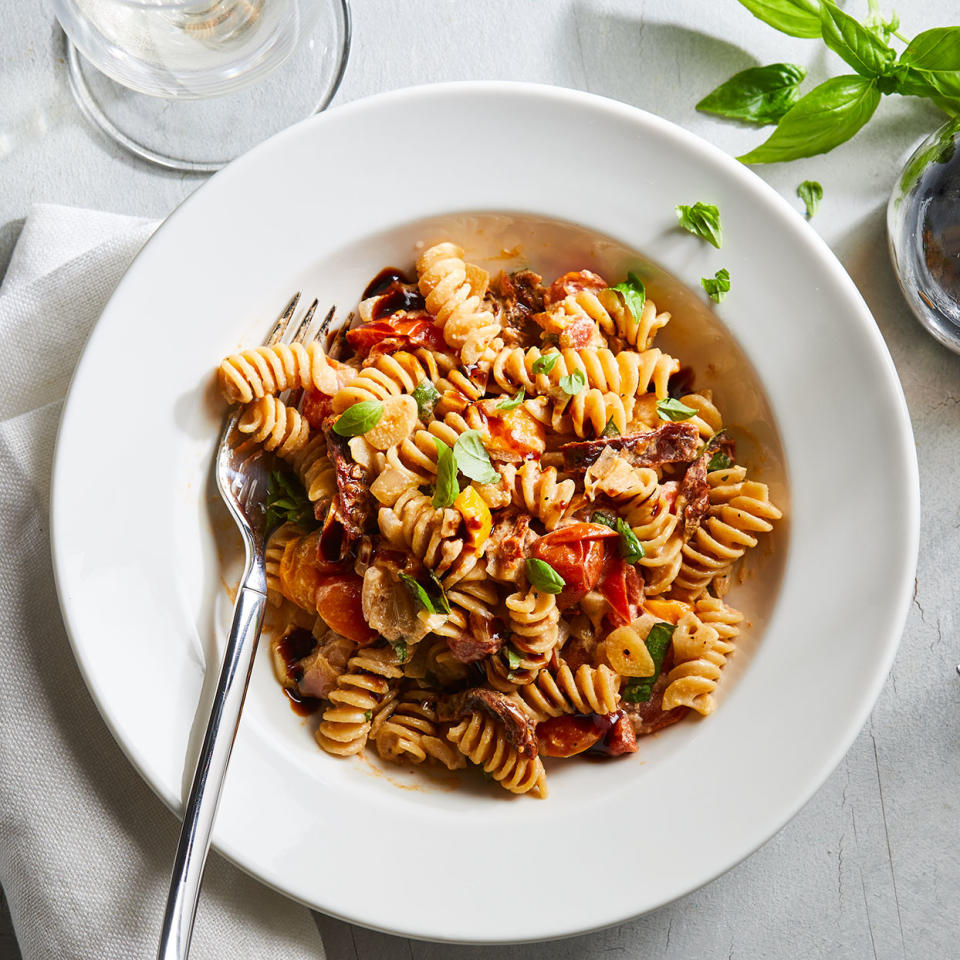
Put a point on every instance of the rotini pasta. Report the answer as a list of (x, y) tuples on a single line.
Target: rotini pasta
[(513, 551)]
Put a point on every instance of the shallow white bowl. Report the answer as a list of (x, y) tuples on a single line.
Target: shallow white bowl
[(578, 181)]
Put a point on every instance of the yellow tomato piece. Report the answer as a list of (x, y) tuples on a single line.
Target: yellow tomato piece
[(669, 610), (476, 517)]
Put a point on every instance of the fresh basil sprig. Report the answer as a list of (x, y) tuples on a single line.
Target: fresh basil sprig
[(426, 395), (418, 593), (447, 489), (286, 501), (358, 419), (702, 220), (672, 409), (837, 109), (543, 577), (811, 193), (640, 689), (634, 293), (472, 458), (717, 286), (573, 383), (758, 95), (545, 363), (511, 403)]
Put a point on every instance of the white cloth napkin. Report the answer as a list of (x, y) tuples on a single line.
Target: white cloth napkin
[(85, 846)]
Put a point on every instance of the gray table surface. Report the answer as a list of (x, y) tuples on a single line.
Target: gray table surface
[(871, 866)]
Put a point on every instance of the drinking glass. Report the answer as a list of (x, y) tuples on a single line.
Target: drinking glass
[(190, 84)]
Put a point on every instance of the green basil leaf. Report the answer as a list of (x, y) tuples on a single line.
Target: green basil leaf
[(545, 363), (447, 489), (719, 461), (849, 38), (418, 593), (426, 395), (717, 286), (513, 658), (811, 193), (573, 383), (941, 88), (472, 458), (631, 549), (286, 501), (640, 689), (399, 650), (827, 116), (358, 419), (673, 410), (703, 220), (634, 294), (511, 403), (607, 519), (543, 577), (758, 95), (936, 50), (368, 715), (797, 18), (440, 600), (611, 429)]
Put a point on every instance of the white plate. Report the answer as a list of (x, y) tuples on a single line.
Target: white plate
[(142, 547)]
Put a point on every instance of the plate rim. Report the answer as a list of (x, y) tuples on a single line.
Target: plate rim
[(856, 307)]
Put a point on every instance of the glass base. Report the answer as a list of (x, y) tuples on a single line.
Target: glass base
[(201, 136)]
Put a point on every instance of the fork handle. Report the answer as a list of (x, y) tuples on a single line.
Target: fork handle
[(209, 776)]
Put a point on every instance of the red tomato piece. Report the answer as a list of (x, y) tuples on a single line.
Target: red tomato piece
[(578, 335), (574, 282), (621, 738), (576, 532), (338, 603), (579, 564), (622, 588), (396, 332), (316, 408), (567, 736)]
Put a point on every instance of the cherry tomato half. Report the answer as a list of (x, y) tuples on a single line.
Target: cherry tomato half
[(338, 600), (316, 408), (622, 588), (576, 553), (396, 332)]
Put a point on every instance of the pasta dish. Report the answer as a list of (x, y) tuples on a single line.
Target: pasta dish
[(503, 522)]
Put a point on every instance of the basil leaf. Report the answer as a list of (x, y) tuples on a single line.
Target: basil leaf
[(426, 395), (827, 116), (545, 363), (631, 549), (368, 715), (447, 487), (941, 88), (573, 383), (935, 50), (513, 658), (472, 458), (418, 593), (673, 410), (634, 294), (759, 94), (640, 689), (797, 18), (844, 35), (719, 461), (440, 601), (358, 419), (543, 577), (811, 193), (512, 403), (399, 650), (717, 286), (607, 519), (611, 429), (286, 501), (703, 220)]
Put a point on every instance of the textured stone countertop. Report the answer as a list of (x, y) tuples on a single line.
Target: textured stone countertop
[(871, 866)]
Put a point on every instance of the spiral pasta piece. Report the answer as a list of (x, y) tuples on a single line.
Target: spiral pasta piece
[(417, 454), (536, 490), (313, 468), (429, 533), (561, 691), (739, 511), (366, 686), (445, 282), (707, 420), (273, 557), (275, 425), (259, 371), (585, 414), (407, 730), (699, 655), (719, 615), (626, 373), (480, 739), (619, 320), (390, 375), (648, 513)]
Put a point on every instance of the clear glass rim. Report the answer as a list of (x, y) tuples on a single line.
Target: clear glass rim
[(94, 113)]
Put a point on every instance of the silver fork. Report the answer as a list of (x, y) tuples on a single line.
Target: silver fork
[(242, 475)]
